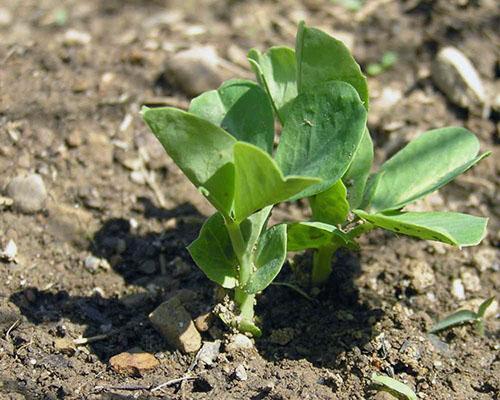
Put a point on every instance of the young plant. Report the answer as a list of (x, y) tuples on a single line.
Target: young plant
[(462, 316), (224, 146), (394, 386), (358, 202)]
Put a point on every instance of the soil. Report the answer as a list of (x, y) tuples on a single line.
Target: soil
[(70, 113)]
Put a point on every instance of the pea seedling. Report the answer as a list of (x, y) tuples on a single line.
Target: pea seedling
[(224, 146), (422, 167)]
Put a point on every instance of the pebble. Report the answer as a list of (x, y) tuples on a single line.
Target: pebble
[(422, 275), (195, 70), (239, 342), (72, 37), (5, 17), (28, 193), (99, 149), (456, 77), (173, 321), (65, 346), (240, 373), (486, 258), (92, 263), (471, 281), (209, 352), (75, 138), (9, 253), (138, 177), (457, 289), (133, 362), (203, 322)]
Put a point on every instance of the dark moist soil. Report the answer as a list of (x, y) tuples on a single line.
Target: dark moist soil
[(70, 113)]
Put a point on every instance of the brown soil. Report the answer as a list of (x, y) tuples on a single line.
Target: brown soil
[(63, 114)]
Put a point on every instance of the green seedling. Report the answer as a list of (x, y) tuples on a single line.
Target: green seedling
[(224, 145), (388, 60), (359, 202), (462, 316), (394, 385)]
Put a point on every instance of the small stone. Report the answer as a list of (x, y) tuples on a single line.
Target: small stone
[(5, 17), (195, 70), (209, 352), (91, 263), (471, 281), (74, 139), (10, 252), (28, 193), (456, 77), (422, 275), (457, 289), (173, 321), (148, 267), (72, 37), (138, 177), (133, 362), (99, 149), (240, 373), (239, 342), (203, 322), (486, 258), (65, 346)]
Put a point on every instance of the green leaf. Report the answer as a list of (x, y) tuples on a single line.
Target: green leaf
[(484, 306), (321, 58), (202, 150), (313, 235), (213, 252), (276, 72), (454, 319), (330, 206), (356, 176), (395, 385), (424, 165), (241, 108), (269, 258), (448, 227), (321, 134), (252, 227), (259, 182)]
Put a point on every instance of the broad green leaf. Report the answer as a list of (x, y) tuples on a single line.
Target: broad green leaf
[(356, 176), (276, 72), (321, 134), (330, 206), (202, 150), (424, 165), (260, 183), (394, 385), (313, 235), (484, 306), (321, 58), (252, 227), (454, 319), (241, 108), (448, 227), (213, 252), (269, 258)]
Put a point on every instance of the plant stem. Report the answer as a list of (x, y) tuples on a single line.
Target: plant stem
[(244, 300), (322, 264), (322, 258)]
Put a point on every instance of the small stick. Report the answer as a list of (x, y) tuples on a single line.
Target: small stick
[(297, 289), (12, 327), (172, 382), (125, 387)]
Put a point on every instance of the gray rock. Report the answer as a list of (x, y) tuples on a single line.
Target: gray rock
[(239, 342), (209, 352), (28, 193), (456, 77), (173, 321), (240, 373), (195, 70)]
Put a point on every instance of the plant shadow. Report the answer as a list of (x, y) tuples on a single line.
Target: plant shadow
[(156, 266)]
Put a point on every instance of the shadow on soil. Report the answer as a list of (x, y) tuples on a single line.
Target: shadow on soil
[(157, 266)]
